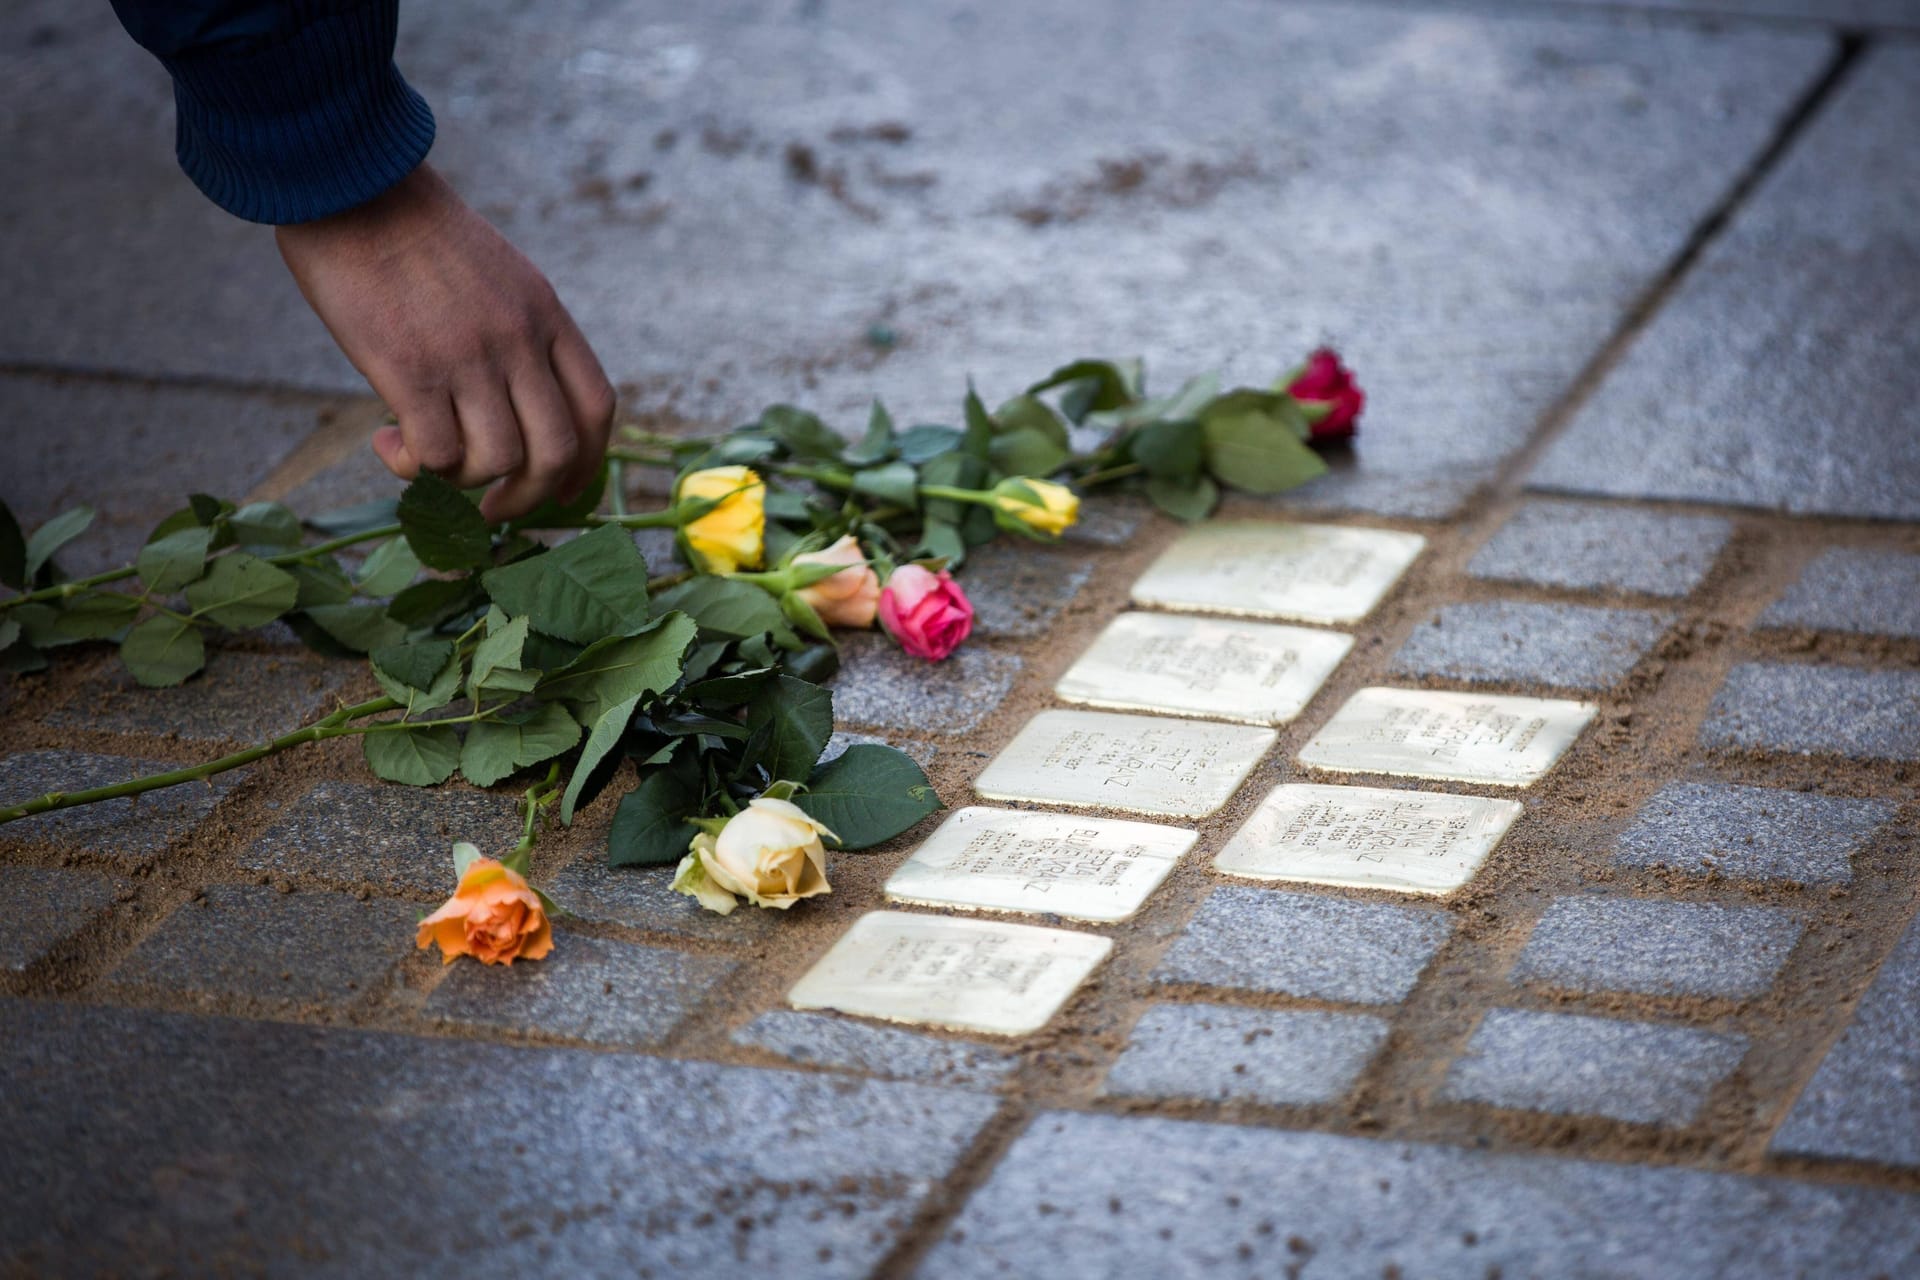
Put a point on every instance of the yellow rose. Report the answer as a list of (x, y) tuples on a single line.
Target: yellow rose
[(848, 598), (769, 853), (494, 916), (1040, 505), (732, 536)]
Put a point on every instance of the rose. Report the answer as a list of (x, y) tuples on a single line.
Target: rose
[(494, 916), (849, 598), (1040, 506), (1326, 387), (925, 612), (732, 535), (769, 854)]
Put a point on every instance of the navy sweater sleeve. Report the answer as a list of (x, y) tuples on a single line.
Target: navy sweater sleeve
[(287, 110)]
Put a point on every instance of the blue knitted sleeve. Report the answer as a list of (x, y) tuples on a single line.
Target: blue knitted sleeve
[(287, 110)]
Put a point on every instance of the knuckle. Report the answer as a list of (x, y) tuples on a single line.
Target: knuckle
[(599, 403)]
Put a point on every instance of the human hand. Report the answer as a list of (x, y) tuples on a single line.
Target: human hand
[(465, 341)]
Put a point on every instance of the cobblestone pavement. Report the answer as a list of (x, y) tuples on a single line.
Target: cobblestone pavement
[(1635, 290)]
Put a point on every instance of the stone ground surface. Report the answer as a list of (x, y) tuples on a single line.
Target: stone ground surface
[(1634, 287)]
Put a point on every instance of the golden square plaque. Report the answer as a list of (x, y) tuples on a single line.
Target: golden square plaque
[(1368, 837), (1143, 764), (1306, 572), (1221, 668), (1098, 869), (961, 974), (1461, 737)]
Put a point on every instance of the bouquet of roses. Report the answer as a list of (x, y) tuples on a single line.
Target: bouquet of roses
[(501, 648)]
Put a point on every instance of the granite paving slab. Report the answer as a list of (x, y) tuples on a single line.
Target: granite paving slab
[(132, 452), (881, 686), (49, 906), (1864, 1101), (1018, 589), (1855, 589), (1313, 945), (1085, 1196), (1807, 710), (824, 1040), (1222, 1053), (262, 946), (922, 752), (1575, 1065), (643, 898), (611, 993), (711, 190), (132, 830), (1810, 298), (1593, 546), (239, 697), (1591, 943), (265, 1147), (398, 839), (1566, 646), (1750, 833)]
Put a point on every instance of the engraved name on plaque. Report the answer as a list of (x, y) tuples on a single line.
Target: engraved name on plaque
[(1250, 672)]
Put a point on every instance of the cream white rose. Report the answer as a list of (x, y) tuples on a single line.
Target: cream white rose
[(769, 854)]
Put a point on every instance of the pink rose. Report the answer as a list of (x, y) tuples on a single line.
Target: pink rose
[(926, 612), (1328, 384), (849, 597)]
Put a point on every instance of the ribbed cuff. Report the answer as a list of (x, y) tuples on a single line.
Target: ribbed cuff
[(306, 126)]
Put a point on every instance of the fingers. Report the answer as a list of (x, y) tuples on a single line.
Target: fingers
[(590, 400), (428, 437), (391, 448), (551, 442), (490, 431)]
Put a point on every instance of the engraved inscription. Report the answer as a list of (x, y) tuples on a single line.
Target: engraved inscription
[(1467, 737), (1312, 572), (1183, 768), (1253, 672)]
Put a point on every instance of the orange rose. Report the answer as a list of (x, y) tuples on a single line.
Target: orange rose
[(848, 598), (494, 916)]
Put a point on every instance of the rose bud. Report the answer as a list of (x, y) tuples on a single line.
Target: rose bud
[(494, 916), (1037, 506), (769, 854), (925, 612), (849, 598), (1327, 389), (732, 535)]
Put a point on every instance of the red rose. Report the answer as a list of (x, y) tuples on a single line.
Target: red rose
[(926, 612), (1327, 384)]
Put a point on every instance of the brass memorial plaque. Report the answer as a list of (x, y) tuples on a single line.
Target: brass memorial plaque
[(1306, 572), (1368, 837), (1222, 668), (1461, 737), (1098, 869), (1142, 764), (963, 974)]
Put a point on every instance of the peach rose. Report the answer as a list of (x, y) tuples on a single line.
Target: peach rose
[(849, 598), (494, 916)]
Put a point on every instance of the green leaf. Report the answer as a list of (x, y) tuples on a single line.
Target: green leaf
[(13, 551), (171, 562), (1253, 443), (804, 435), (240, 590), (1170, 450), (464, 856), (606, 735), (208, 509), (551, 514), (621, 667), (1094, 385), (390, 569), (444, 527), (802, 718), (9, 632), (265, 524), (1027, 452), (417, 757), (925, 443), (430, 603), (495, 748), (321, 583), (53, 535), (356, 519), (730, 690), (725, 607), (941, 540), (650, 827), (1188, 500), (496, 661), (163, 651), (816, 664), (420, 677), (869, 795), (584, 590), (977, 440), (97, 616), (894, 482), (359, 627), (877, 444)]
